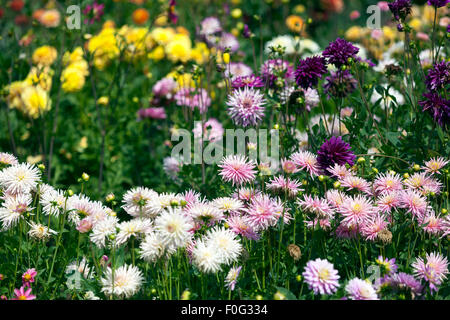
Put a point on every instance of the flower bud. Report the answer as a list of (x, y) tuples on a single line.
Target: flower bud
[(85, 176)]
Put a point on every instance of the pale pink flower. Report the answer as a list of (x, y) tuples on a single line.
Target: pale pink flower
[(335, 197), (241, 226), (264, 212), (432, 224), (321, 276), (319, 207), (356, 210), (434, 270), (356, 183), (423, 183), (340, 171), (387, 182), (387, 202), (85, 225), (282, 185), (413, 202), (305, 160), (435, 164), (289, 166), (372, 226), (237, 169), (344, 231)]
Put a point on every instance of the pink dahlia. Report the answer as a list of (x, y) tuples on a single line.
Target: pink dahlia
[(372, 226), (241, 226), (389, 201), (321, 276), (433, 271), (358, 289), (152, 113), (335, 197), (434, 165), (432, 224), (264, 212), (28, 277), (305, 160), (356, 183), (237, 169), (319, 207), (356, 210), (23, 294), (246, 106), (340, 171), (414, 203), (288, 166), (386, 183), (284, 185)]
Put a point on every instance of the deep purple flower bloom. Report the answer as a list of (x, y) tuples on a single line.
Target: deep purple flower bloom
[(340, 84), (400, 9), (438, 76), (246, 32), (438, 3), (247, 81), (173, 17), (333, 151), (94, 12), (438, 107), (309, 71), (339, 51)]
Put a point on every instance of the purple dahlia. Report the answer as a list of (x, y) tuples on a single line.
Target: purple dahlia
[(438, 76), (438, 107), (400, 9), (309, 71), (339, 51), (333, 151), (247, 81), (438, 3)]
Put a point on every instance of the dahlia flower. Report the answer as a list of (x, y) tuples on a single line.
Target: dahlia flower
[(321, 276)]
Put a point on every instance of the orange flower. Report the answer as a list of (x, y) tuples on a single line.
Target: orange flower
[(140, 16), (294, 23), (37, 14), (50, 18), (182, 30), (333, 5)]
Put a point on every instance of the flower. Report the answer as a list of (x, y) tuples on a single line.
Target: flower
[(241, 225), (124, 281), (13, 209), (137, 201), (173, 228), (49, 18), (237, 169), (247, 81), (152, 113), (413, 202), (389, 266), (28, 277), (228, 41), (284, 41), (355, 183), (372, 227), (173, 17), (295, 23), (319, 207), (7, 159), (358, 289), (44, 56), (22, 294), (306, 160), (332, 151), (140, 16), (225, 243), (309, 71), (403, 280), (284, 185), (387, 183), (206, 257), (212, 130), (435, 164), (356, 210), (231, 278), (339, 51), (171, 166), (434, 270), (400, 9), (438, 76), (321, 276), (263, 212), (438, 107), (40, 232), (93, 12), (275, 69), (438, 3), (228, 205)]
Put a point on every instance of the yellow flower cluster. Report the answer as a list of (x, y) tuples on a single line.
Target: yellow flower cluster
[(31, 96), (75, 72), (140, 42)]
